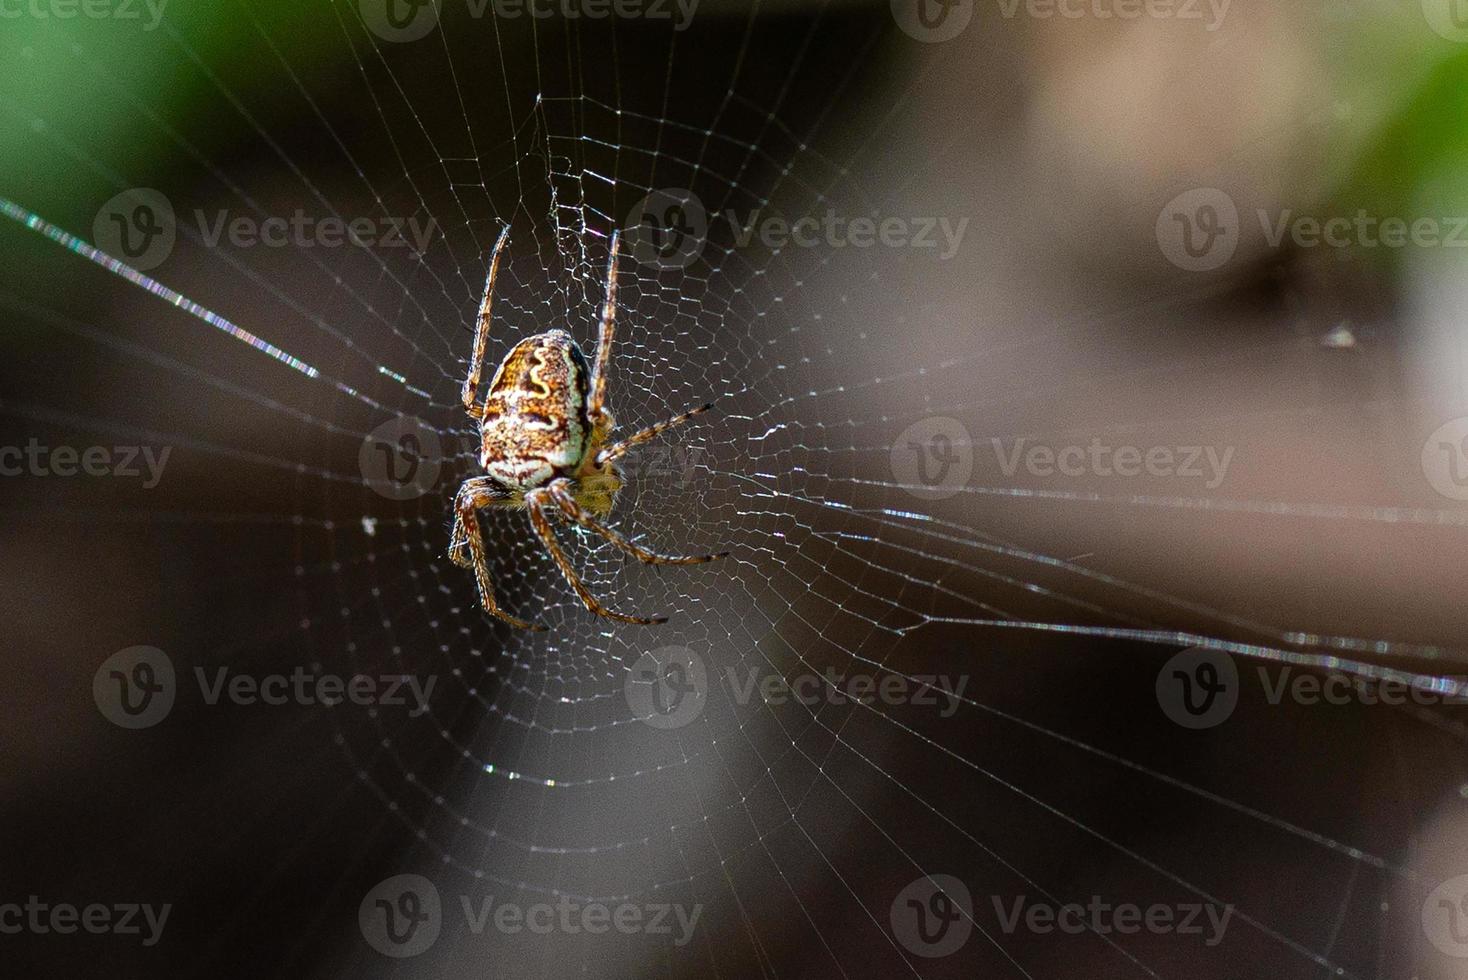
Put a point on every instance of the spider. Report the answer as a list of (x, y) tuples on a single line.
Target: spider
[(544, 427)]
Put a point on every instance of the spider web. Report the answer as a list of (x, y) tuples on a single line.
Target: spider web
[(793, 826)]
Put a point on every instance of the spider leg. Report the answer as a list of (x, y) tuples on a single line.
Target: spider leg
[(596, 409), (574, 511), (474, 494), (535, 500), (481, 331), (651, 432)]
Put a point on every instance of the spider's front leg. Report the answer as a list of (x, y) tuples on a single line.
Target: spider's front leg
[(466, 543), (536, 500), (481, 332), (596, 402)]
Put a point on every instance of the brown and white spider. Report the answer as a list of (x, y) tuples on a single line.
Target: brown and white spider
[(543, 427)]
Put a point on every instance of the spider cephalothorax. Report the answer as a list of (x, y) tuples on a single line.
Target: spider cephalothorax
[(544, 427)]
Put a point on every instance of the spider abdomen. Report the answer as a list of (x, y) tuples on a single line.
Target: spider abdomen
[(535, 426)]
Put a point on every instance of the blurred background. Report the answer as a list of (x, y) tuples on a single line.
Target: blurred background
[(1228, 236)]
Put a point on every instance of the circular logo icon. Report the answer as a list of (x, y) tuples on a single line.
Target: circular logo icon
[(667, 687), (933, 916), (932, 21), (933, 459), (401, 458), (1448, 18), (667, 229), (400, 20), (401, 916), (138, 227), (1199, 230), (1445, 917), (1445, 459), (1198, 688), (135, 688)]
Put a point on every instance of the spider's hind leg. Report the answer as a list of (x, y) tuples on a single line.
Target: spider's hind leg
[(536, 501), (466, 543), (561, 493)]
